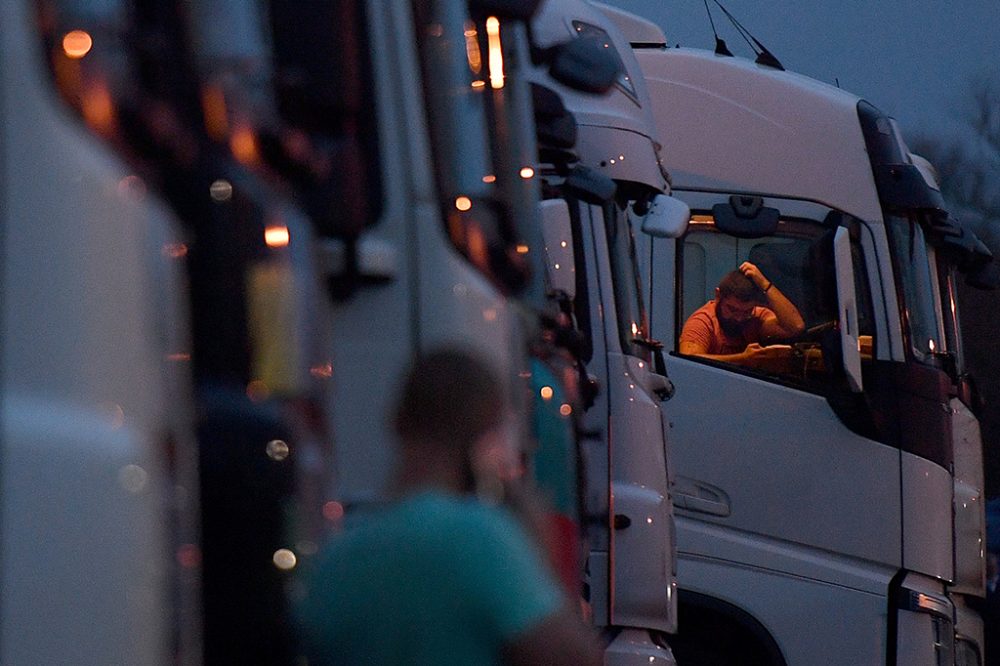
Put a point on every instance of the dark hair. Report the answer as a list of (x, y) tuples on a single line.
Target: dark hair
[(449, 398), (739, 286)]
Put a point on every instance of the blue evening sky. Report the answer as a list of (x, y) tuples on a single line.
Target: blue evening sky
[(914, 59)]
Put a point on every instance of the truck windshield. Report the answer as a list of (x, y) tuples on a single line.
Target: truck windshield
[(455, 62), (917, 288), (633, 323), (947, 283), (798, 260)]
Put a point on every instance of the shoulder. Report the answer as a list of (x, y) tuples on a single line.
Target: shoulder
[(704, 315), (701, 323)]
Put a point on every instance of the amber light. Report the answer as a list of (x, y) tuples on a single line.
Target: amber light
[(213, 106), (243, 144), (495, 52), (76, 44), (463, 203), (98, 109), (276, 235), (472, 49)]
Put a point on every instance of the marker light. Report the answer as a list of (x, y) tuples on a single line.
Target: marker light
[(77, 43), (276, 235), (496, 53)]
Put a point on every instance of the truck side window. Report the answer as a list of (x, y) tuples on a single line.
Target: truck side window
[(801, 345)]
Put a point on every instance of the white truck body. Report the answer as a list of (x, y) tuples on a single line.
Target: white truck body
[(795, 525), (94, 390), (631, 561)]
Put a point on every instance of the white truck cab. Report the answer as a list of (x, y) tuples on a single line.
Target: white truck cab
[(593, 188), (816, 486), (98, 474)]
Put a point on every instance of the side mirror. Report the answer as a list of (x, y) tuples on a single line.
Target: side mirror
[(557, 233), (668, 217), (850, 343), (583, 64), (746, 217)]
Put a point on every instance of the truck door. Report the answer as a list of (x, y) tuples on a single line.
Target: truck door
[(775, 449), (640, 542)]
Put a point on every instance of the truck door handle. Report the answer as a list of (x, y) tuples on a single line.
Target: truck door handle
[(700, 497)]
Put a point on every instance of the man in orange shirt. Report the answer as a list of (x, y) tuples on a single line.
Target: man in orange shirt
[(731, 327)]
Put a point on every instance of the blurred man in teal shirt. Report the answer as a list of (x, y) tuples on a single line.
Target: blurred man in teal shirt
[(438, 576)]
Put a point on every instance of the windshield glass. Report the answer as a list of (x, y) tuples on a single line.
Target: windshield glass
[(947, 281), (458, 61), (917, 288), (632, 319)]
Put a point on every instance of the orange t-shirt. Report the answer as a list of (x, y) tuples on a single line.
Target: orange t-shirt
[(703, 329)]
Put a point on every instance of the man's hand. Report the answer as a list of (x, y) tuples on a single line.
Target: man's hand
[(754, 275), (755, 351)]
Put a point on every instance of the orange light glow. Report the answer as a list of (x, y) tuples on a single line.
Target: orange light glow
[(522, 249), (243, 145), (565, 409), (463, 203), (546, 392), (276, 235), (132, 188), (77, 43), (257, 390), (98, 109), (527, 172), (188, 556), (472, 48), (284, 559), (489, 179), (479, 83), (213, 107), (333, 511), (175, 250), (322, 371), (496, 52)]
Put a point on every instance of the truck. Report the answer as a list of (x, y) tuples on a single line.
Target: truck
[(828, 497), (594, 187), (98, 481)]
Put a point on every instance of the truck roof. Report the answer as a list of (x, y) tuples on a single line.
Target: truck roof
[(729, 124)]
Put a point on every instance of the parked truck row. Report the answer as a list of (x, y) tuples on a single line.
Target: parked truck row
[(227, 228)]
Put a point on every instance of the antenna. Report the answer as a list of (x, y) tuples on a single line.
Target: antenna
[(764, 57), (720, 44)]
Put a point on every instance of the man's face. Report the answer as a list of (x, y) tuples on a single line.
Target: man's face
[(733, 314)]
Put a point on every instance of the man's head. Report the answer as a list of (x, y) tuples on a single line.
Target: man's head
[(735, 298), (449, 400)]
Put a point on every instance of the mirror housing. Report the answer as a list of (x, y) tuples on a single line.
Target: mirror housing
[(582, 64), (667, 217), (557, 233), (850, 344), (746, 217)]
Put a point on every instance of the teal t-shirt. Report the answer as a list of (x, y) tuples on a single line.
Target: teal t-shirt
[(432, 579)]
